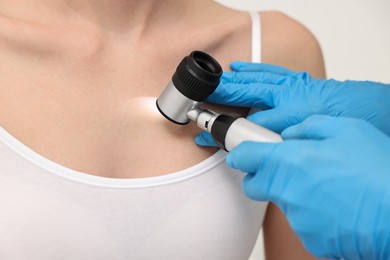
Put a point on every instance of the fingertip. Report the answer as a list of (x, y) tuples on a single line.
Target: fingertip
[(229, 160), (199, 140), (261, 120), (204, 139), (296, 131), (236, 65), (273, 119), (289, 132), (226, 76)]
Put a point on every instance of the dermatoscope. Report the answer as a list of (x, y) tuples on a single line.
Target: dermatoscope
[(194, 80)]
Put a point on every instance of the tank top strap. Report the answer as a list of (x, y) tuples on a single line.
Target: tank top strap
[(256, 36), (256, 44)]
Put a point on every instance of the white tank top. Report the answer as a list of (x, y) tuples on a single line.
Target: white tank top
[(48, 211)]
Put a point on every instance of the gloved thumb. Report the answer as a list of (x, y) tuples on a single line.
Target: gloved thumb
[(276, 119)]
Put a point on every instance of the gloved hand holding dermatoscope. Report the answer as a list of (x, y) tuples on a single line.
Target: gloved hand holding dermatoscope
[(195, 79)]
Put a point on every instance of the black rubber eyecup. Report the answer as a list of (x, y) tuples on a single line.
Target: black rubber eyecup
[(197, 76)]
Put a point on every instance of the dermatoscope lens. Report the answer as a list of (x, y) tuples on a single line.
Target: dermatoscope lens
[(206, 62)]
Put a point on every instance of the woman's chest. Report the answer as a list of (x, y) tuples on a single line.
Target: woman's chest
[(88, 103), (99, 127), (99, 119)]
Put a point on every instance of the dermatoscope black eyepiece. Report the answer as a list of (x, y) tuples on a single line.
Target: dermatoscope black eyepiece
[(194, 80), (197, 76)]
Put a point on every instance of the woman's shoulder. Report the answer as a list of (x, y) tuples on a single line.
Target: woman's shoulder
[(289, 43)]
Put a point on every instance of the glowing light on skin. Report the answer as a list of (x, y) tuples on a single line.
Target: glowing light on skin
[(147, 105)]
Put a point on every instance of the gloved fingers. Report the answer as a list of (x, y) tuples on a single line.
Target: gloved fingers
[(267, 166), (254, 189), (276, 119), (245, 95), (252, 77), (248, 156), (317, 127), (240, 66), (204, 139), (273, 169)]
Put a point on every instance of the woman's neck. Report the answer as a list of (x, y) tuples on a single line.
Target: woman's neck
[(108, 15)]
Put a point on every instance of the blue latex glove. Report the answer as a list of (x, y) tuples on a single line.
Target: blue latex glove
[(294, 96), (331, 178)]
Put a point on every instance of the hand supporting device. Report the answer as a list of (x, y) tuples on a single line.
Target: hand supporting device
[(195, 79)]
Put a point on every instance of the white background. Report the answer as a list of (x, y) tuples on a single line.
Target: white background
[(354, 36)]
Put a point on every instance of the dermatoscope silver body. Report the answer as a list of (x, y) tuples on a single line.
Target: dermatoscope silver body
[(195, 79)]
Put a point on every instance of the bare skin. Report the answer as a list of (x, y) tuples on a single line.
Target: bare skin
[(76, 77)]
